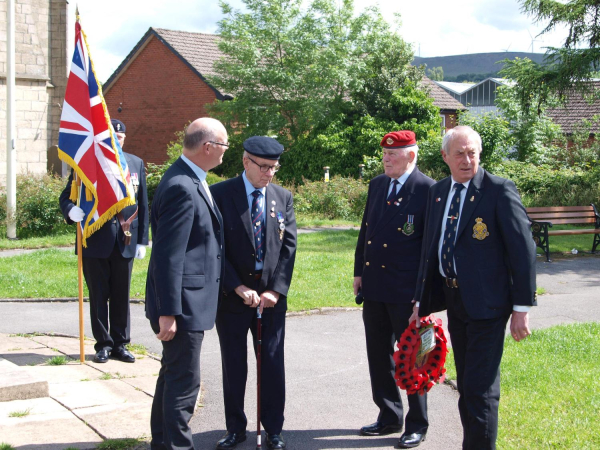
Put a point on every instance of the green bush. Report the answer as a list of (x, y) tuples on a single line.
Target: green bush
[(542, 185), (38, 211), (341, 198)]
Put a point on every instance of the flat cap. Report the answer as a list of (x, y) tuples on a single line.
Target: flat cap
[(399, 139), (263, 147), (118, 125)]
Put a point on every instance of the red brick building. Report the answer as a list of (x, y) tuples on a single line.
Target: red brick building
[(161, 86)]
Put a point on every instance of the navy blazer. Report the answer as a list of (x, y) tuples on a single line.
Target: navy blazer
[(388, 251), (184, 274), (101, 243), (495, 271), (280, 254)]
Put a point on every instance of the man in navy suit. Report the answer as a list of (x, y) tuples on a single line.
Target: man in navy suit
[(260, 249), (184, 278), (108, 259), (385, 272), (478, 263)]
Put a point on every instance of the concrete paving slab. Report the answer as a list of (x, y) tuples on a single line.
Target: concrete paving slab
[(48, 426), (85, 394), (13, 343), (130, 420), (146, 384), (16, 383), (68, 373), (30, 357), (142, 367), (66, 345)]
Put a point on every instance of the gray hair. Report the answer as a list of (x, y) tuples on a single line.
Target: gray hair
[(192, 140), (463, 130)]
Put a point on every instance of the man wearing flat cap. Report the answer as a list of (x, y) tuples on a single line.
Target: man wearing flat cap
[(108, 261), (385, 272), (260, 249)]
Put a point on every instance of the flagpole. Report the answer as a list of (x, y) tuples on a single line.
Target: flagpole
[(77, 180)]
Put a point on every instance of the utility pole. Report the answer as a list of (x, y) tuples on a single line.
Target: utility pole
[(11, 147)]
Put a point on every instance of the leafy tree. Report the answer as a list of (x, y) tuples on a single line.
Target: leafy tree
[(532, 132), (326, 82), (436, 73), (565, 68)]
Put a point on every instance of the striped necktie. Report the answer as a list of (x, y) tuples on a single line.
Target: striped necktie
[(392, 197), (450, 233), (258, 222)]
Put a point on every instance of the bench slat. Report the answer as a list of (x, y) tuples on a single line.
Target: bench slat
[(550, 216), (571, 221), (534, 209), (566, 232)]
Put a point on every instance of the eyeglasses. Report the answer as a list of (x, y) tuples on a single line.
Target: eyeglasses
[(265, 167), (219, 143)]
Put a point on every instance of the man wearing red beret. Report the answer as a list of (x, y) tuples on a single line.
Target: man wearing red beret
[(386, 265)]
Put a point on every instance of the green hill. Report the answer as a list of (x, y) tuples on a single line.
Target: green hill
[(483, 64)]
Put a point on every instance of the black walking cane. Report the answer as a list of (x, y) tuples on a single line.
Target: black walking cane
[(258, 364)]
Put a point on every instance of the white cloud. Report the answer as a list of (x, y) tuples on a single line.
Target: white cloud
[(434, 27)]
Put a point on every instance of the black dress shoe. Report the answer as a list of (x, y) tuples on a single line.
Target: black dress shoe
[(230, 440), (378, 429), (101, 356), (122, 354), (275, 441), (411, 440)]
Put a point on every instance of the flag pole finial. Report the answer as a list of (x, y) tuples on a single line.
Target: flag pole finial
[(76, 13)]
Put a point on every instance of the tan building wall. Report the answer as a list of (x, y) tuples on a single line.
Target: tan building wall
[(41, 76)]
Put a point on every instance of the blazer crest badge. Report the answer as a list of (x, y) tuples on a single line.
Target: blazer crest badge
[(480, 231)]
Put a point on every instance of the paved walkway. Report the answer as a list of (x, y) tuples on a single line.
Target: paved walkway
[(328, 394)]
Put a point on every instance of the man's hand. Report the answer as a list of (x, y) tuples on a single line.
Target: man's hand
[(76, 214), (140, 251), (357, 284), (519, 325), (249, 296), (415, 315), (168, 328), (268, 299)]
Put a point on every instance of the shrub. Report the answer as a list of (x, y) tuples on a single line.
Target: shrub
[(547, 186), (38, 211), (341, 198)]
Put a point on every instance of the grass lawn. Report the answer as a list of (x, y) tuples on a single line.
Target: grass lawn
[(322, 276), (60, 240), (550, 394)]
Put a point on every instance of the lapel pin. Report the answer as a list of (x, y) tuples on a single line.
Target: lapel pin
[(472, 198), (273, 202), (437, 199)]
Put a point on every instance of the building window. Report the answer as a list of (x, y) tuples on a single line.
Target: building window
[(443, 117)]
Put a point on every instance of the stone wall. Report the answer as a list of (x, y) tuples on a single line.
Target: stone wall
[(41, 73)]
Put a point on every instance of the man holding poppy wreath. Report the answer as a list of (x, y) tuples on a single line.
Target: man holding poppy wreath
[(386, 265), (478, 263)]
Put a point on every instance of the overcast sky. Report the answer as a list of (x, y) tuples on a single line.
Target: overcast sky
[(434, 27)]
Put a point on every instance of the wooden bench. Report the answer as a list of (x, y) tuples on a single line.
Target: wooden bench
[(543, 218)]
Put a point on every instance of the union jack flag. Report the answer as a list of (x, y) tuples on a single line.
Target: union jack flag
[(86, 142)]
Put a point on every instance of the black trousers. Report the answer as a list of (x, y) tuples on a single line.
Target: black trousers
[(233, 334), (108, 281), (176, 392), (384, 324), (477, 347)]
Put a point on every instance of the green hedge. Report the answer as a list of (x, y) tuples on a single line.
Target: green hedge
[(546, 186), (340, 198), (38, 211)]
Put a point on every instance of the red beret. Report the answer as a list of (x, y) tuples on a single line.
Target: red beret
[(399, 139)]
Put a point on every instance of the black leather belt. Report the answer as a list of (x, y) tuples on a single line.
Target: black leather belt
[(452, 283)]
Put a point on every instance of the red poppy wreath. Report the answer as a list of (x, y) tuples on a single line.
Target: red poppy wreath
[(419, 367)]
